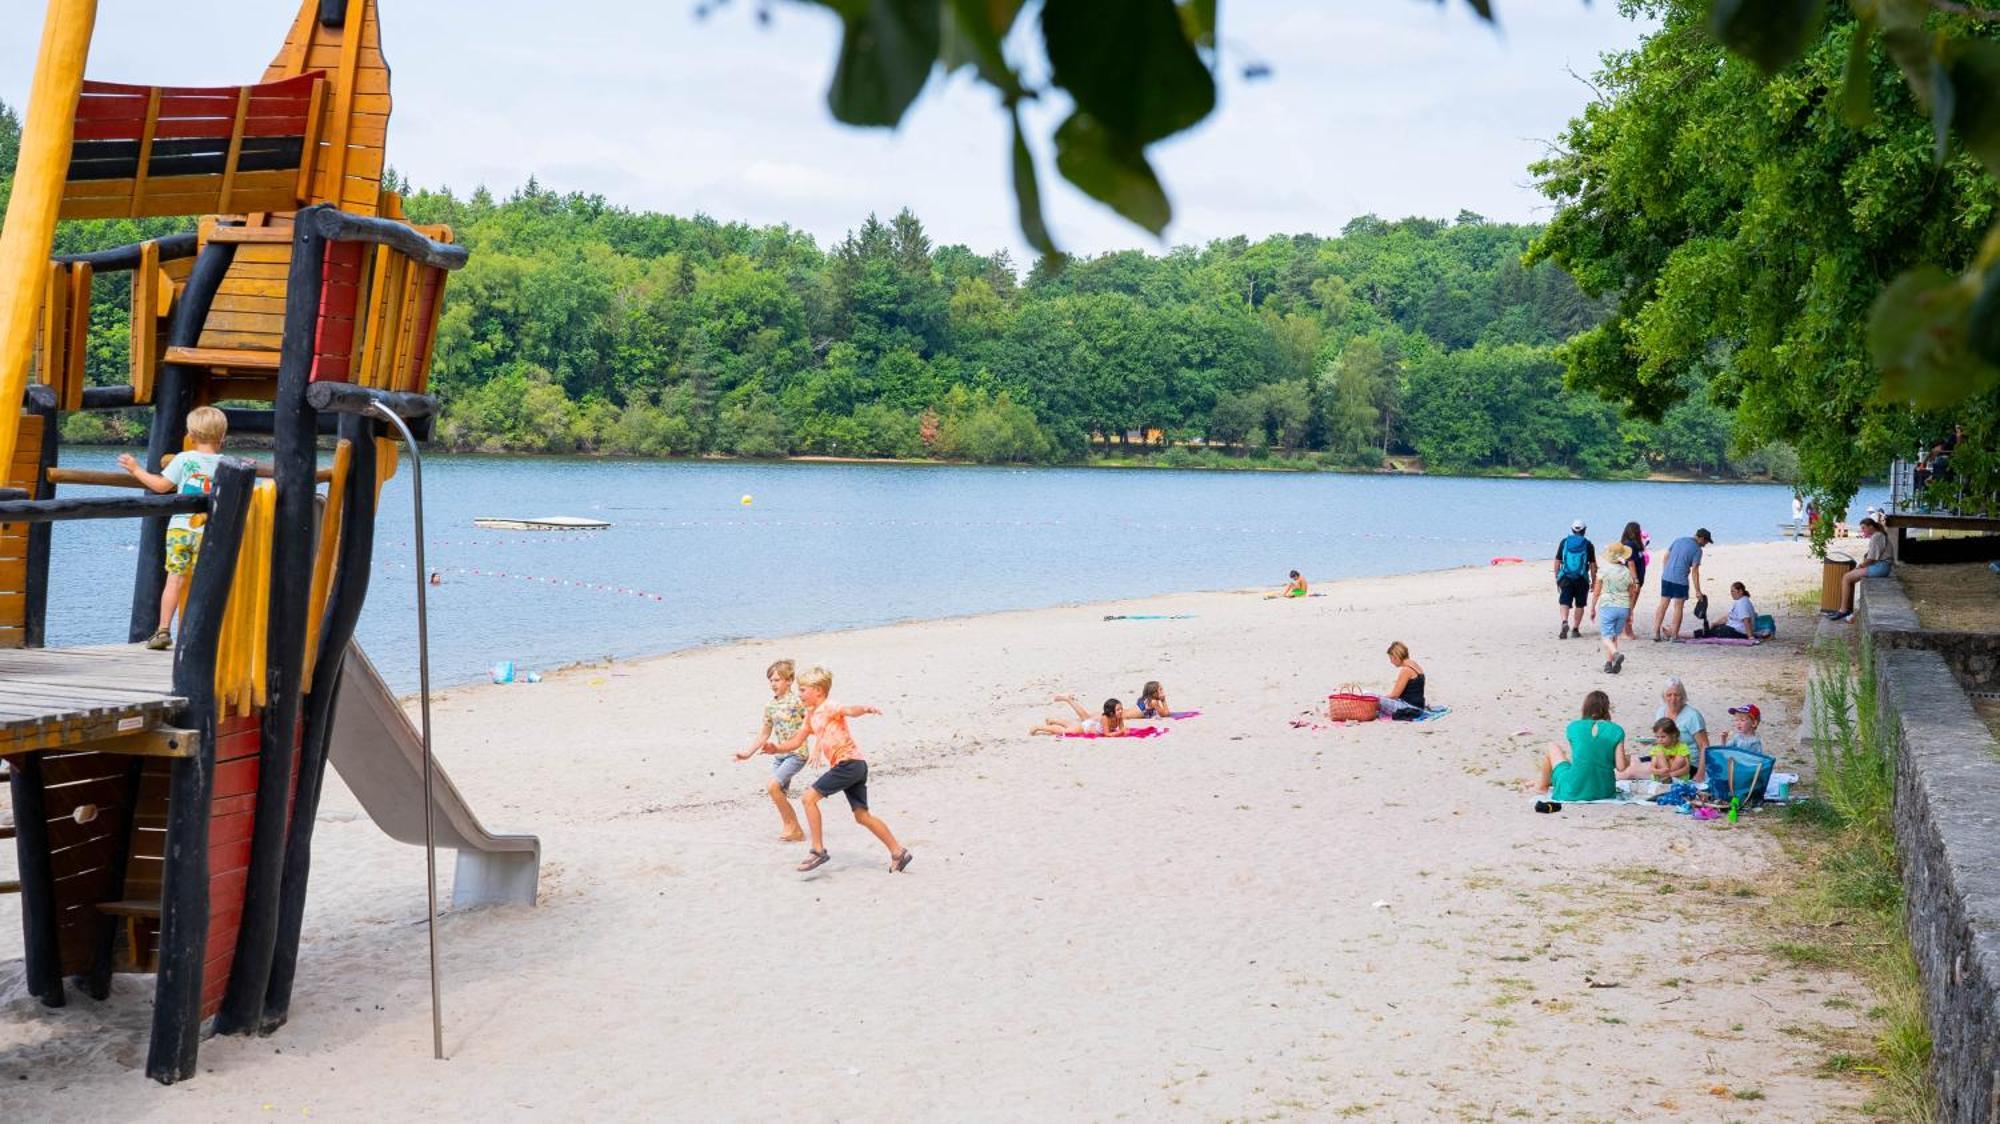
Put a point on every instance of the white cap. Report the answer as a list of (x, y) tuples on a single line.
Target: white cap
[(1577, 526)]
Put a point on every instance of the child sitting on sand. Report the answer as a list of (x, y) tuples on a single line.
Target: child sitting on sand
[(1744, 733), (1669, 760), (1153, 701), (846, 770), (784, 717), (1296, 587), (1111, 724)]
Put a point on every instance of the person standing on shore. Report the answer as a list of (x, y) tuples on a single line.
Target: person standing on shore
[(1575, 567), (1611, 604), (846, 769), (1681, 569), (1634, 539)]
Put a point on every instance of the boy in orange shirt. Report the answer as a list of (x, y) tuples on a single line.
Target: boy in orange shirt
[(846, 770)]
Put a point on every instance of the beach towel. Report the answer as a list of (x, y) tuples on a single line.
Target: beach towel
[(1130, 732), (1431, 714), (1149, 616), (1729, 641), (1184, 714)]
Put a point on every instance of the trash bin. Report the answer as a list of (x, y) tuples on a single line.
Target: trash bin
[(1831, 573)]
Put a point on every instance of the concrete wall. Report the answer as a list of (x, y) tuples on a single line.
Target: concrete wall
[(1948, 840), (1973, 656)]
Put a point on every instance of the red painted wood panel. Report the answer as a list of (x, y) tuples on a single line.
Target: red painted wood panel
[(236, 778), (235, 805), (230, 828)]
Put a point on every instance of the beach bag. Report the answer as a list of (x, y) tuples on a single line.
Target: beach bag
[(1765, 627), (1353, 708), (1731, 771), (1575, 557)]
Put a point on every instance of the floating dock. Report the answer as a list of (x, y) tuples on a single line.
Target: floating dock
[(547, 523)]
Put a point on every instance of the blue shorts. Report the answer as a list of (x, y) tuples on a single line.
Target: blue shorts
[(1611, 619), (1673, 591), (785, 768), (1879, 569)]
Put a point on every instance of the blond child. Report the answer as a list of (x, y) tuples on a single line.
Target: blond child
[(1744, 735), (784, 717), (846, 770), (190, 473)]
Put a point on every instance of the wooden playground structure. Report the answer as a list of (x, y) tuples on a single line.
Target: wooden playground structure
[(164, 802)]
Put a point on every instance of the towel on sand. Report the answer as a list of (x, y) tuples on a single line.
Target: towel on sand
[(1130, 732), (1730, 641)]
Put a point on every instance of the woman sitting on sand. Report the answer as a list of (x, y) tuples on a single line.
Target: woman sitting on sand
[(1405, 699), (1585, 765), (1111, 724), (1153, 701)]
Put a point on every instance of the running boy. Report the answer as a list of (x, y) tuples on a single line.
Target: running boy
[(189, 473), (846, 770), (784, 717)]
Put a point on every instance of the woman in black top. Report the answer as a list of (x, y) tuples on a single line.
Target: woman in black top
[(1405, 700), (1635, 539)]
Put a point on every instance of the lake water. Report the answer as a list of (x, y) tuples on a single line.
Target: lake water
[(826, 546)]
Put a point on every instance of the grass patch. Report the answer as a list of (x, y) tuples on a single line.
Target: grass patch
[(1843, 848)]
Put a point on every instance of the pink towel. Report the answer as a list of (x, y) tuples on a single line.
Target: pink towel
[(1130, 732), (1730, 641)]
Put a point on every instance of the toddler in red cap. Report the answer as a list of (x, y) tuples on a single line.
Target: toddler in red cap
[(1744, 733)]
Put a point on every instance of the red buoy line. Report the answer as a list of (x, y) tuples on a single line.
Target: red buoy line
[(539, 579)]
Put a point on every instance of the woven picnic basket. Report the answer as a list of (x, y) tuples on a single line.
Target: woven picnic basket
[(1353, 708)]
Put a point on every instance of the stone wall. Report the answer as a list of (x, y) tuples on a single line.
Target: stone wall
[(1948, 841), (1973, 656)]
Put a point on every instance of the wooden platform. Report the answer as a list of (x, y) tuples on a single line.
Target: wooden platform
[(1976, 524), (52, 698)]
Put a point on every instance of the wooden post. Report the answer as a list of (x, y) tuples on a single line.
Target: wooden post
[(42, 955), (294, 465), (170, 1055), (47, 135), (172, 399), (35, 598), (343, 609)]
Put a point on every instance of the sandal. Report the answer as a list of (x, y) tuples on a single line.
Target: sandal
[(1618, 663), (1547, 806), (814, 860), (902, 860), (160, 641)]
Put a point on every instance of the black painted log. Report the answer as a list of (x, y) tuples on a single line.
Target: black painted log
[(339, 226), (121, 259), (42, 956), (101, 507), (170, 1056), (243, 420), (173, 396), (343, 609), (294, 464), (347, 398), (97, 984), (94, 397), (35, 598)]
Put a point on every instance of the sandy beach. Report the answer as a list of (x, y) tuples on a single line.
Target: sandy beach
[(1238, 920)]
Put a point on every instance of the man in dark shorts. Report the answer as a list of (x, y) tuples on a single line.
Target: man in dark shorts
[(1575, 569), (1678, 573)]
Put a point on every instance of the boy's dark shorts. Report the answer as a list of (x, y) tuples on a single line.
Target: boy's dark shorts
[(850, 777), (1573, 592)]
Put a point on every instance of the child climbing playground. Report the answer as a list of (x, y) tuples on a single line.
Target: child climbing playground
[(189, 473)]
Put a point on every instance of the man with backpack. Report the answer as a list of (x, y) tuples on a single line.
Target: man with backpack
[(1575, 568)]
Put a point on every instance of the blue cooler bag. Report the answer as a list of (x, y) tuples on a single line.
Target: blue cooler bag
[(1731, 771)]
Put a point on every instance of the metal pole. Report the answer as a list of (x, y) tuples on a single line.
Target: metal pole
[(424, 694)]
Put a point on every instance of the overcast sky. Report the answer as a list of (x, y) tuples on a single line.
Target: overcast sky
[(1395, 107)]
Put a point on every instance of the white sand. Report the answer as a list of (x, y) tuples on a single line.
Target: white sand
[(1178, 928)]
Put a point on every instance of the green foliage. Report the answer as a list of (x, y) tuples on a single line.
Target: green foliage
[(1744, 229)]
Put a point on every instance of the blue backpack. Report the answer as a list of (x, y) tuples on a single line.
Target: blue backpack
[(1575, 557)]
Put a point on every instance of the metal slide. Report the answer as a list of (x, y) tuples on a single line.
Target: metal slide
[(380, 756)]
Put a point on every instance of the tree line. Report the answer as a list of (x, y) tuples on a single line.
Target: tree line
[(581, 326)]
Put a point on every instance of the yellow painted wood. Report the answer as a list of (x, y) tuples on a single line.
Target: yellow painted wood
[(235, 149), (224, 357), (147, 285), (344, 91), (329, 541), (36, 201), (309, 158), (281, 235), (55, 326), (160, 741), (145, 152), (76, 348)]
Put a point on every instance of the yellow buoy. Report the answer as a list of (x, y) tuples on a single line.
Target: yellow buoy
[(746, 501)]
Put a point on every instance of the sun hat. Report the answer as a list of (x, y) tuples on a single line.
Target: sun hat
[(1618, 552)]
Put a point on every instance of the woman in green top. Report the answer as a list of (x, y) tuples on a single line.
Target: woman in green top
[(1586, 764)]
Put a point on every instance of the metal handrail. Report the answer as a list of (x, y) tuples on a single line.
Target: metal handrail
[(381, 410)]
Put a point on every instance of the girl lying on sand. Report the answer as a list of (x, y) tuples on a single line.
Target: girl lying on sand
[(1153, 701), (1111, 724)]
